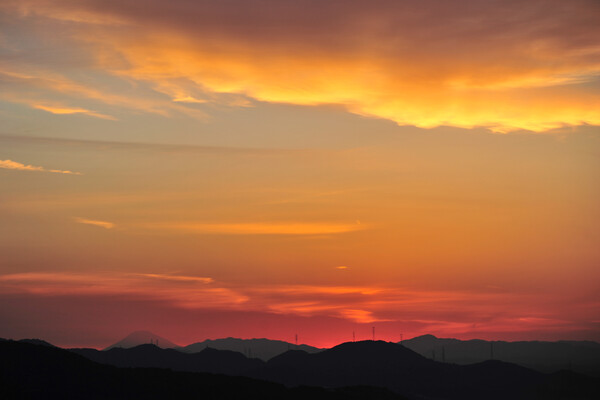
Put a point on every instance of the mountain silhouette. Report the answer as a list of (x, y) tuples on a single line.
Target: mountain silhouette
[(264, 349), (402, 370), (367, 363), (30, 371), (142, 337), (582, 357)]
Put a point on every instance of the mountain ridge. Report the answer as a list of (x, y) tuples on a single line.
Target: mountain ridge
[(544, 356), (39, 372), (370, 363)]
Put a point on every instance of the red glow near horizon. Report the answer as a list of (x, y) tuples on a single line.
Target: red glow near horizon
[(188, 309)]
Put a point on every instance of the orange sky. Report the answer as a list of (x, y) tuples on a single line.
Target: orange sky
[(260, 169)]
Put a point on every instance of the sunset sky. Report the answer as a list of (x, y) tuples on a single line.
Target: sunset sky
[(204, 169)]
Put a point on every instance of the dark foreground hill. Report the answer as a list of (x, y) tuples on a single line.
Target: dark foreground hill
[(29, 371), (400, 369), (381, 364), (579, 356)]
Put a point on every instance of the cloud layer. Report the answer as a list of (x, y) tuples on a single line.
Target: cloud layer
[(502, 65), (449, 311)]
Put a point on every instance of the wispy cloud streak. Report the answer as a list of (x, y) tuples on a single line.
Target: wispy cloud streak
[(61, 110), (9, 164), (293, 228), (430, 310), (180, 291), (102, 224), (163, 148)]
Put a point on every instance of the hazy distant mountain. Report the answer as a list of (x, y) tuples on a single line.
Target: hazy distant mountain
[(264, 349), (142, 337), (29, 371), (582, 357)]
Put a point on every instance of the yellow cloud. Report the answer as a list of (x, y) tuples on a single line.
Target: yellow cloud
[(188, 99), (178, 278), (256, 228), (102, 224), (532, 81), (360, 316), (68, 110), (9, 164), (49, 83), (415, 63)]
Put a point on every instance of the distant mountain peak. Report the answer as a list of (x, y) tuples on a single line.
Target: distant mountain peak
[(427, 336), (137, 338)]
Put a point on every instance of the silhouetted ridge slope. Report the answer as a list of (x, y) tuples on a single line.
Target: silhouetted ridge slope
[(375, 363), (497, 376), (346, 360), (34, 372), (290, 357), (373, 351)]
